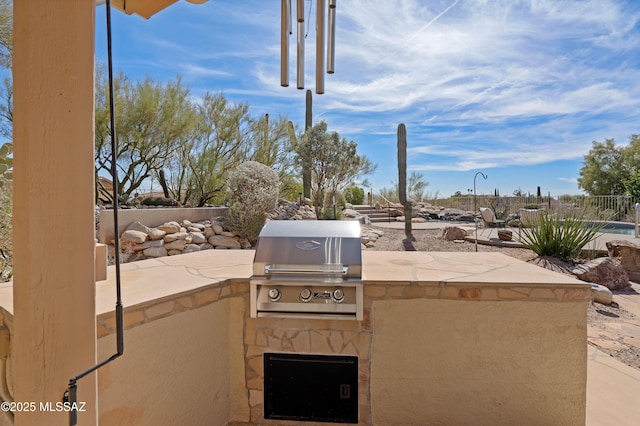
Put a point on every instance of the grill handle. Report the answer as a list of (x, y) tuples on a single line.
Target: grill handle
[(269, 269)]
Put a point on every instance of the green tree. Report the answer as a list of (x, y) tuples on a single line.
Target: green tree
[(222, 142), (334, 162), (152, 121), (354, 195), (604, 170), (632, 184), (6, 33), (416, 186)]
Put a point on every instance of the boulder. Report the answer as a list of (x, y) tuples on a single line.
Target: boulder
[(197, 237), (176, 245), (604, 271), (220, 241), (156, 234), (628, 254), (155, 252), (170, 227), (350, 213), (148, 244), (451, 233), (137, 226), (601, 294), (190, 248), (133, 236), (199, 226)]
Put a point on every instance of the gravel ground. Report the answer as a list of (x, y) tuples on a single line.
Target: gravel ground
[(606, 324)]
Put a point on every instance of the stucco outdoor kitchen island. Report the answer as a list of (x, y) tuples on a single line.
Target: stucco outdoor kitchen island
[(447, 338)]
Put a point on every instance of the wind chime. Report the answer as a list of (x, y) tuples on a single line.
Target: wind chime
[(286, 31)]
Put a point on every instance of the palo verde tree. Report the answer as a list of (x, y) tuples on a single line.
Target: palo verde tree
[(334, 162), (152, 121), (221, 143)]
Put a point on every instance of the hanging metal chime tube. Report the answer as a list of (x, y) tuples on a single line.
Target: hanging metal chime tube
[(331, 36), (285, 30), (300, 63), (320, 5)]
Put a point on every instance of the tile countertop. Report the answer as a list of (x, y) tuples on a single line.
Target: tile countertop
[(166, 277), (458, 268)]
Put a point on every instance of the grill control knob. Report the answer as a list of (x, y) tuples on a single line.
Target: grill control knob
[(274, 294), (306, 295), (338, 295)]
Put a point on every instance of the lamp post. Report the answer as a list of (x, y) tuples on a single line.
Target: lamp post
[(474, 204)]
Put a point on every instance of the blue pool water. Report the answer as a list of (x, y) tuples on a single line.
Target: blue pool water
[(621, 228)]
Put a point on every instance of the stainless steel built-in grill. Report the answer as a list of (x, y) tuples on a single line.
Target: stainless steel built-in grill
[(308, 269)]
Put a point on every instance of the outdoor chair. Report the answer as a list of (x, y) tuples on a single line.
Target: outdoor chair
[(489, 218)]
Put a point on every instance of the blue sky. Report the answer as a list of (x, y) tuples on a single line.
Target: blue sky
[(517, 89)]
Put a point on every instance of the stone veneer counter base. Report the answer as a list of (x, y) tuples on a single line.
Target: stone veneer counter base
[(447, 338)]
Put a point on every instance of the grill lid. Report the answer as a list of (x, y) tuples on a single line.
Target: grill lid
[(329, 248)]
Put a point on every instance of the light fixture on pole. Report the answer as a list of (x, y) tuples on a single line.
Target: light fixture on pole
[(474, 204), (286, 30)]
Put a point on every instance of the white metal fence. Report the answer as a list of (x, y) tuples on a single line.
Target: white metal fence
[(606, 207)]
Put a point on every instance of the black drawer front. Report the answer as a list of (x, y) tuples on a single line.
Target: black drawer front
[(319, 388)]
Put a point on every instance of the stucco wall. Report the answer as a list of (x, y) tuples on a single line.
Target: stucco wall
[(185, 369), (532, 372)]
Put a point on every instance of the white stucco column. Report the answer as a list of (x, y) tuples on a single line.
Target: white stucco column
[(53, 218)]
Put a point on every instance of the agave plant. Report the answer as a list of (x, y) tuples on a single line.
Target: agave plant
[(559, 236)]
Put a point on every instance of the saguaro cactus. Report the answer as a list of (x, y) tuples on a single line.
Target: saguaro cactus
[(306, 168), (402, 178)]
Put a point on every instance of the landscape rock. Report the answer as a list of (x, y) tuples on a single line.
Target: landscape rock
[(224, 242), (451, 233), (175, 245), (288, 210), (156, 234), (190, 248), (155, 252), (604, 271), (197, 237), (137, 226), (601, 294), (148, 244), (628, 254), (133, 236), (170, 227)]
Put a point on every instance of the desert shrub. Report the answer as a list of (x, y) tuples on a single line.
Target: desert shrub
[(354, 195), (560, 237), (253, 192), (327, 210), (159, 201), (290, 188), (531, 206)]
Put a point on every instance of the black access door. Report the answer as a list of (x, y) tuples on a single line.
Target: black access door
[(320, 388)]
